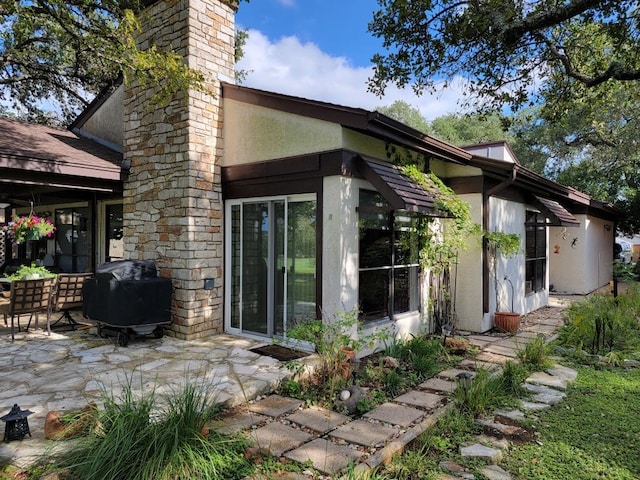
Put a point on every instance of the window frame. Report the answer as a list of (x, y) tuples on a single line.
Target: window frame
[(534, 261), (412, 266)]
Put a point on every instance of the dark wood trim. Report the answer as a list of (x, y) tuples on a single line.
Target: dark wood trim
[(319, 231)]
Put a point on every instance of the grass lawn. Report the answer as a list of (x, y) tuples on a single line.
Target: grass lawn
[(594, 433)]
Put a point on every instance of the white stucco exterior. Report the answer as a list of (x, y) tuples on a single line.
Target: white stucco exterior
[(581, 257), (105, 124), (468, 301)]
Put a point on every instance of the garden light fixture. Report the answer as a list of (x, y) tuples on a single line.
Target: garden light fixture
[(17, 425)]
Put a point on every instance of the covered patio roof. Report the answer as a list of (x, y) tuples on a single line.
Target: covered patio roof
[(53, 164)]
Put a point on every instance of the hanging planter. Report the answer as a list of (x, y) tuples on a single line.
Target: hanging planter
[(29, 227)]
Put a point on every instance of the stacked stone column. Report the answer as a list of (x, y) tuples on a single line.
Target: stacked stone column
[(172, 198)]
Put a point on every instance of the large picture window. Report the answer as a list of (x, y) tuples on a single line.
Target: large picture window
[(536, 252), (389, 253)]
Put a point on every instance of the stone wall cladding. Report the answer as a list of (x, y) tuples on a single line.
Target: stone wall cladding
[(173, 196)]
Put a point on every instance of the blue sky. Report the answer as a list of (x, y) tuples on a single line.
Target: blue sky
[(320, 49)]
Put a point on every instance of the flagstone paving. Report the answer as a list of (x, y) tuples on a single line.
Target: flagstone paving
[(65, 371)]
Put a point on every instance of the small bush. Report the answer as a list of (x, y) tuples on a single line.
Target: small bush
[(484, 393), (535, 354), (601, 323)]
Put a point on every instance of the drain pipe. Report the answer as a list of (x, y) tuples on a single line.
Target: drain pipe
[(485, 226)]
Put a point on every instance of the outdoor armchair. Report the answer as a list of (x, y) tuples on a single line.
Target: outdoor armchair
[(28, 297), (68, 295)]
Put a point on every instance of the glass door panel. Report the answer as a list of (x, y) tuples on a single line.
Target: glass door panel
[(301, 263), (255, 262), (271, 269)]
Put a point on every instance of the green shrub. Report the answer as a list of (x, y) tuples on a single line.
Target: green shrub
[(485, 393), (601, 323)]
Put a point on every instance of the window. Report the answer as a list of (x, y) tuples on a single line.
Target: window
[(389, 253), (536, 252)]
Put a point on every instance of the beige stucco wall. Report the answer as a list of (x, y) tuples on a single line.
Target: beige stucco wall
[(583, 262), (469, 276), (509, 217), (253, 133), (106, 124)]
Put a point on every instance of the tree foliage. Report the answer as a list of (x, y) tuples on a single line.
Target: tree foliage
[(502, 49), (66, 52)]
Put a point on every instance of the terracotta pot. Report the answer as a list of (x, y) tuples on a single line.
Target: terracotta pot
[(349, 353), (507, 322)]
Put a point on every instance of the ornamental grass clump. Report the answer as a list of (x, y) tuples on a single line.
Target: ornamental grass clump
[(153, 437)]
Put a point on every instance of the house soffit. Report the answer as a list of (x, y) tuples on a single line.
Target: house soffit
[(556, 213)]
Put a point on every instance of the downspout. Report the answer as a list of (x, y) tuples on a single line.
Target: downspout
[(485, 227)]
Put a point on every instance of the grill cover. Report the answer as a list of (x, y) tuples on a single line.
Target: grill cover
[(128, 293)]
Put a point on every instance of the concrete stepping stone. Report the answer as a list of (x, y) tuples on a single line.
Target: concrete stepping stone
[(426, 400), (494, 442), (278, 438), (275, 405), (482, 452), (504, 350), (325, 456), (455, 468), (362, 432), (395, 414), (238, 422), (534, 406), (544, 394), (494, 472), (513, 415), (489, 357), (543, 378), (318, 419), (569, 374), (439, 385)]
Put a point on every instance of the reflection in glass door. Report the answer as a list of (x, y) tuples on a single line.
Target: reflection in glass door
[(271, 264)]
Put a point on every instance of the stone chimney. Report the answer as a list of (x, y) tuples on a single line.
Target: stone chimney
[(172, 198)]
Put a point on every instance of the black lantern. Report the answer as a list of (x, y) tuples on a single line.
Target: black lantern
[(17, 425)]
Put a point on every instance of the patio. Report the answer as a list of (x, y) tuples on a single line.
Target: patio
[(67, 370)]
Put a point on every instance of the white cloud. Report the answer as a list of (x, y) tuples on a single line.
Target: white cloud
[(290, 67)]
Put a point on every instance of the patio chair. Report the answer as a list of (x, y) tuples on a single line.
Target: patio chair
[(28, 296), (67, 296)]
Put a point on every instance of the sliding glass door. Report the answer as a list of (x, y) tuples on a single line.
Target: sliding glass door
[(270, 264)]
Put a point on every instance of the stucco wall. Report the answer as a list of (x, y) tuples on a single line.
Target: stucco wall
[(105, 125), (583, 261), (253, 133), (509, 217), (469, 277)]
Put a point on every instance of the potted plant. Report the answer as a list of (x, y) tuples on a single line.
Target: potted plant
[(507, 245), (31, 272), (29, 227)]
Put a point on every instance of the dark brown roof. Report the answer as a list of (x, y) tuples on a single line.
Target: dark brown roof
[(40, 148), (400, 191), (556, 213)]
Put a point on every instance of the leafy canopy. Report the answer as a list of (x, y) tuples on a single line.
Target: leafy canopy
[(502, 49), (59, 55)]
